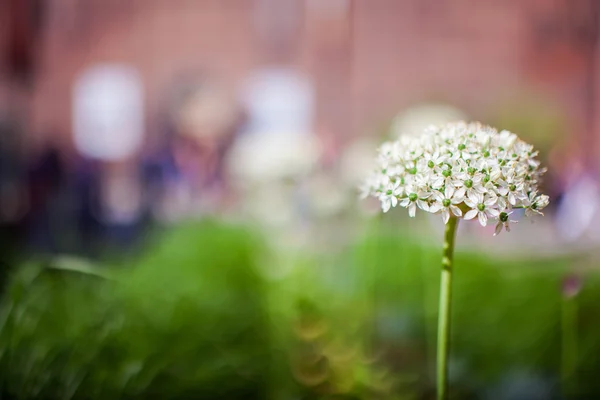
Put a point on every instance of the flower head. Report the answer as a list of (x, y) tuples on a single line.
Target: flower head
[(462, 169)]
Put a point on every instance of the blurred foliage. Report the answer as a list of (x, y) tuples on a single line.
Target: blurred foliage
[(322, 318), (186, 321), (506, 315), (202, 314)]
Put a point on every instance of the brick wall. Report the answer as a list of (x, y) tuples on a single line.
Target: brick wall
[(368, 60)]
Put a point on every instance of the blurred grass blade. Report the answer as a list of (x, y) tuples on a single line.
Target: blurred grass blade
[(79, 265)]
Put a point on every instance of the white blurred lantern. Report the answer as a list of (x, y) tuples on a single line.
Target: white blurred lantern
[(414, 119), (279, 141), (279, 100), (266, 158), (108, 112)]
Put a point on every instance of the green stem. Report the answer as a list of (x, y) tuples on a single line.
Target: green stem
[(443, 340), (569, 346)]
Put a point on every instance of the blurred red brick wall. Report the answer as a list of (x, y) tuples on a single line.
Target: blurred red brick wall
[(368, 60)]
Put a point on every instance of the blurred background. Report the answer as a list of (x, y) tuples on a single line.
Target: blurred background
[(179, 213)]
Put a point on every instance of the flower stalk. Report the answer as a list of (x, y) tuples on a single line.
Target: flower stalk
[(445, 308)]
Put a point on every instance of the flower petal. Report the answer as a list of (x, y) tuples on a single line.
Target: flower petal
[(503, 190), (492, 212), (412, 210), (474, 197), (502, 204), (480, 189), (438, 182), (438, 196), (471, 214), (386, 205), (449, 191), (435, 207), (495, 174), (490, 201), (498, 229), (456, 211), (482, 218), (445, 215), (460, 192)]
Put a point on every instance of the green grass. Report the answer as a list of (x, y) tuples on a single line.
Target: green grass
[(196, 317)]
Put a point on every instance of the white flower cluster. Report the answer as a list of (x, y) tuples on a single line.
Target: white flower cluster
[(465, 169)]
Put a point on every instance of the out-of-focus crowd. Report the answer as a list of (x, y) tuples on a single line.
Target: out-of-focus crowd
[(254, 155)]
